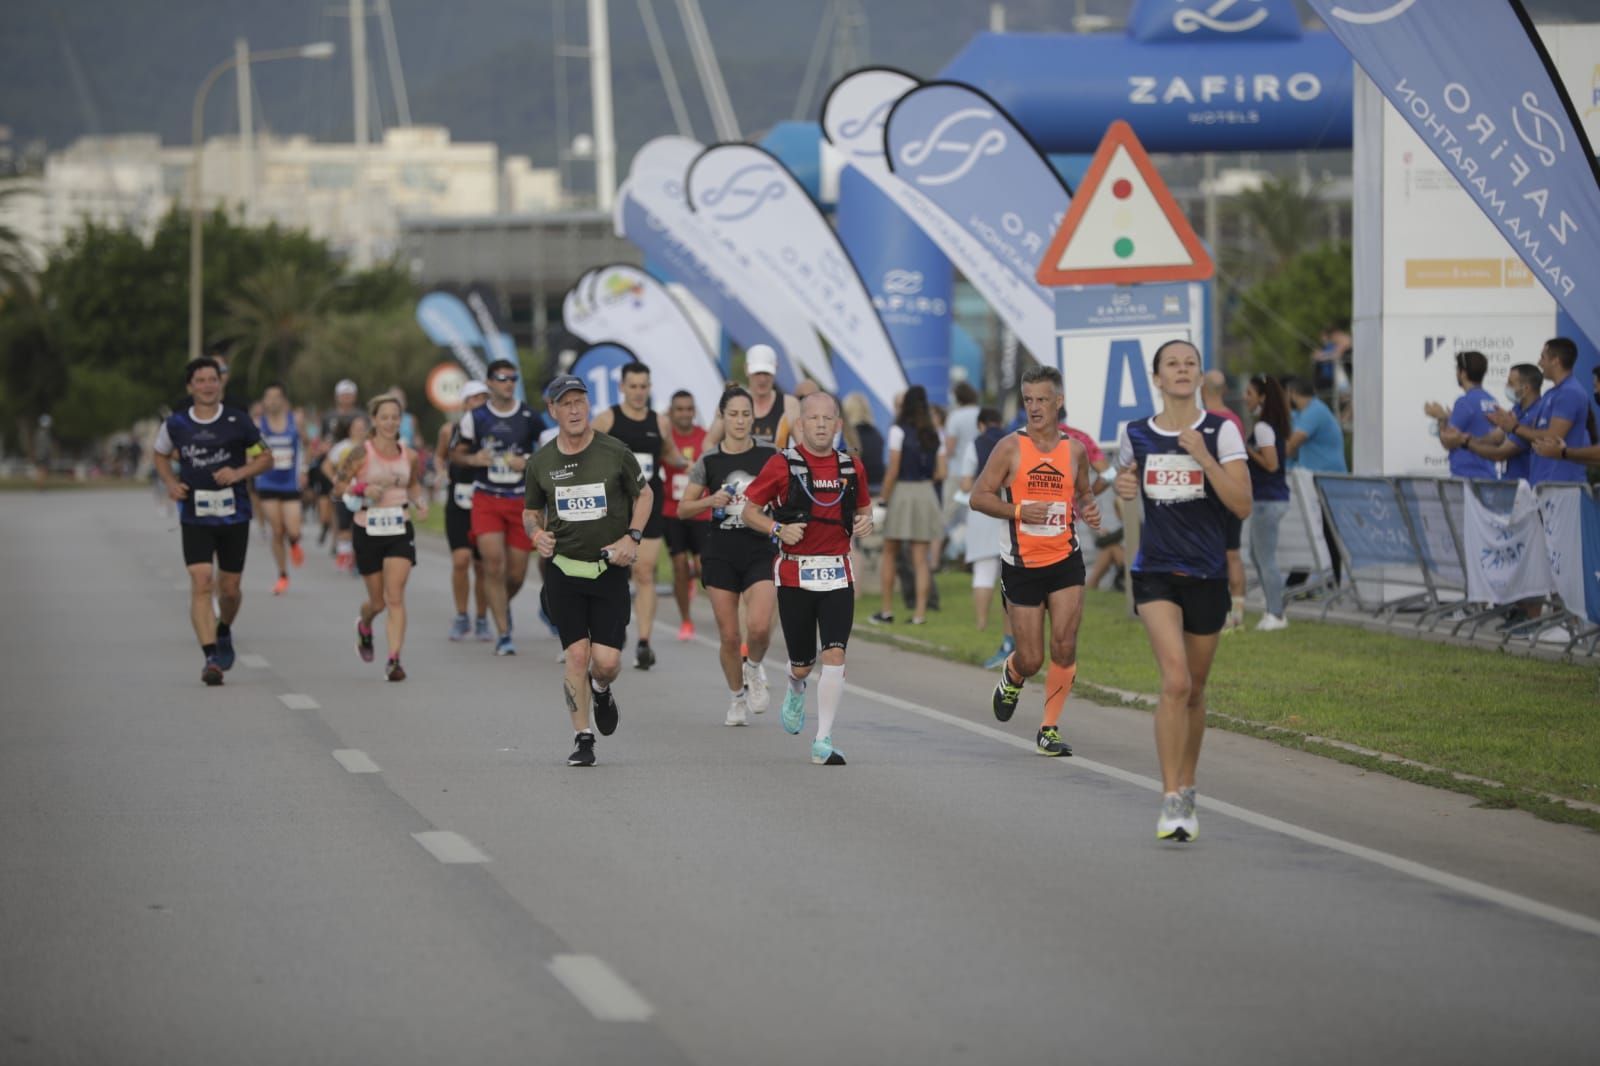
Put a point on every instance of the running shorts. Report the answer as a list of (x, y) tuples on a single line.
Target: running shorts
[(228, 544), (372, 551), (592, 609), (684, 536), (1234, 526), (500, 514), (1032, 586), (735, 565), (1204, 600), (806, 615), (656, 527), (458, 528), (286, 495)]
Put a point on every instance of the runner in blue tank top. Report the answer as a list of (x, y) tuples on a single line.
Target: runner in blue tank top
[(1189, 468), (280, 487)]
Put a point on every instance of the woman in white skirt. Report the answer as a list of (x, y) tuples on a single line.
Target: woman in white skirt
[(915, 464)]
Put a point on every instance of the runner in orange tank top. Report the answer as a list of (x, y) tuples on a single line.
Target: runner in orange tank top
[(1034, 480)]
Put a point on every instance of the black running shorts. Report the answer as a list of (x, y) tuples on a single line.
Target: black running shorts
[(1204, 600), (458, 528), (735, 562), (285, 495), (227, 544), (807, 615), (684, 536), (1032, 586), (1234, 526), (593, 609), (372, 551)]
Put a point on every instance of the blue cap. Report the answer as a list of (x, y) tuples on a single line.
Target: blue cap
[(563, 384)]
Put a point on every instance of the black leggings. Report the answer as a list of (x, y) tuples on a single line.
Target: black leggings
[(805, 614)]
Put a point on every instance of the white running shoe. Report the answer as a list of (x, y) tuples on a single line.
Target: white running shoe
[(1271, 623), (1191, 824), (1172, 824), (755, 682), (736, 712)]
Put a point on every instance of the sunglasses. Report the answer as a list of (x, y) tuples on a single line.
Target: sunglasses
[(504, 377)]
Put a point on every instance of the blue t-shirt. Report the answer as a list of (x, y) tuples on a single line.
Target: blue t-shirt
[(516, 433), (285, 448), (1185, 522), (1518, 467), (1471, 416), (229, 439), (1323, 449), (1567, 400)]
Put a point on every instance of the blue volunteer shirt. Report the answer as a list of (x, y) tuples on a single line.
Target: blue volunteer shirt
[(1567, 400), (1518, 467), (1471, 416), (1323, 449), (1185, 522), (504, 433), (228, 439)]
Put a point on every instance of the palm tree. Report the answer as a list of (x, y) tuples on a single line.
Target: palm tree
[(1282, 218), (273, 313), (18, 273)]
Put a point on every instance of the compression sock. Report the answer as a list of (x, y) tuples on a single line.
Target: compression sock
[(1057, 687), (830, 690), (1011, 675), (744, 651), (222, 629)]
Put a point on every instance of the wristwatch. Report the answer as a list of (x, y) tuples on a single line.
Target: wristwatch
[(636, 534)]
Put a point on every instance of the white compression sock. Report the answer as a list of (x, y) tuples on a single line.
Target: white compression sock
[(830, 690)]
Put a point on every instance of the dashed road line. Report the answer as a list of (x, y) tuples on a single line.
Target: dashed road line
[(356, 761), (599, 988), (253, 661), (299, 701), (449, 847)]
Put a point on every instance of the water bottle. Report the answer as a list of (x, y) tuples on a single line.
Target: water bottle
[(720, 514)]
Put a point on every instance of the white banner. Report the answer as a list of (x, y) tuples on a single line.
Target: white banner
[(1506, 556), (762, 217), (1561, 510), (853, 118), (623, 304)]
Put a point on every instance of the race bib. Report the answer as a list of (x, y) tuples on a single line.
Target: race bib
[(647, 464), (823, 573), (385, 521), (679, 483), (214, 503), (283, 458), (500, 472), (1173, 477), (581, 503), (1054, 524), (463, 495)]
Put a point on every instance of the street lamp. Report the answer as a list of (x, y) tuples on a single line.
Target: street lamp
[(318, 50)]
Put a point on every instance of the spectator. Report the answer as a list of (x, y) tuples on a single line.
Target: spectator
[(858, 416), (1328, 358), (1213, 396), (960, 430), (915, 463), (44, 451), (1317, 443), (1523, 383), (1269, 490), (1469, 417), (1562, 415), (985, 535)]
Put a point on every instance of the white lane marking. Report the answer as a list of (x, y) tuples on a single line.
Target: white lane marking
[(356, 761), (449, 847), (253, 661), (1466, 886), (299, 701), (598, 987)]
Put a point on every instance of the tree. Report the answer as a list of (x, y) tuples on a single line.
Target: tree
[(273, 313), (1279, 318)]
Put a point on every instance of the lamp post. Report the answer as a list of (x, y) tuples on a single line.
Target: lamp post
[(319, 50)]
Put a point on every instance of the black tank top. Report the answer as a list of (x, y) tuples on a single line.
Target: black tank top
[(764, 428), (643, 439)]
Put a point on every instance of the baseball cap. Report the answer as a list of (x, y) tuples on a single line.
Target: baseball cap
[(345, 385), (473, 388), (563, 384), (760, 359)]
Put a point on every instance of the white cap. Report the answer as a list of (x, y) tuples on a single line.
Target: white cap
[(345, 385), (473, 388), (760, 359)]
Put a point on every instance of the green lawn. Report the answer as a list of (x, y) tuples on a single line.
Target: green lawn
[(1531, 724)]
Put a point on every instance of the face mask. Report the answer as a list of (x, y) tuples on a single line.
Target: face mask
[(1511, 395)]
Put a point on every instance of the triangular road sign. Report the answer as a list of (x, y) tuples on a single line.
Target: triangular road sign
[(1123, 225)]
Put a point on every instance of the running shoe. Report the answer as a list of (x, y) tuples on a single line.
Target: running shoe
[(793, 713), (503, 646), (736, 711), (878, 618), (297, 554), (481, 631), (605, 711), (224, 650), (1005, 697), (461, 628), (211, 674), (583, 750), (1049, 742), (758, 696), (1172, 825), (280, 586), (997, 660), (394, 671), (363, 641), (686, 631), (1191, 824), (644, 658), (823, 753), (1271, 623)]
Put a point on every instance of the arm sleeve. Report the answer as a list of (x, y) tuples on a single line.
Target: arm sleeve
[(772, 482), (163, 444), (897, 438), (1230, 446), (1569, 404), (697, 473)]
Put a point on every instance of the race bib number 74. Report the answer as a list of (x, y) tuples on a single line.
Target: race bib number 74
[(1173, 477), (581, 503)]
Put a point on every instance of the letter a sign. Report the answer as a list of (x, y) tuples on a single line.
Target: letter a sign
[(1123, 226)]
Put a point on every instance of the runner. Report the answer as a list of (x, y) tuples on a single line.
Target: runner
[(466, 562), (587, 502), (737, 561), (384, 475), (685, 537), (645, 433), (1034, 480), (1191, 468), (219, 449), (776, 414), (820, 500), (357, 430), (498, 439), (334, 428), (279, 488)]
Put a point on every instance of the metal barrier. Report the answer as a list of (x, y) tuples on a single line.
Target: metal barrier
[(1374, 535)]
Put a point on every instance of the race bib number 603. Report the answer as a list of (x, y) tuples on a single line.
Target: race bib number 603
[(581, 503)]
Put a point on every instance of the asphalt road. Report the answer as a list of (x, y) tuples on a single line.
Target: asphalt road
[(310, 865)]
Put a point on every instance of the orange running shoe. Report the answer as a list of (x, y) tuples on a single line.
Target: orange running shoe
[(686, 631), (297, 554), (280, 586)]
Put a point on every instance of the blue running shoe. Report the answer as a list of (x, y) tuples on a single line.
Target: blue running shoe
[(823, 753), (503, 646), (481, 631), (225, 650), (461, 628), (793, 714), (211, 673), (993, 662)]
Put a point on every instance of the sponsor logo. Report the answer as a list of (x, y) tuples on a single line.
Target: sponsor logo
[(988, 141), (1302, 86), (855, 129), (744, 192), (1188, 20), (562, 474), (1045, 478), (1354, 14), (902, 282), (619, 288), (1431, 345)]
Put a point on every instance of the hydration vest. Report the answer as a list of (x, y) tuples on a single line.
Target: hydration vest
[(798, 507)]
